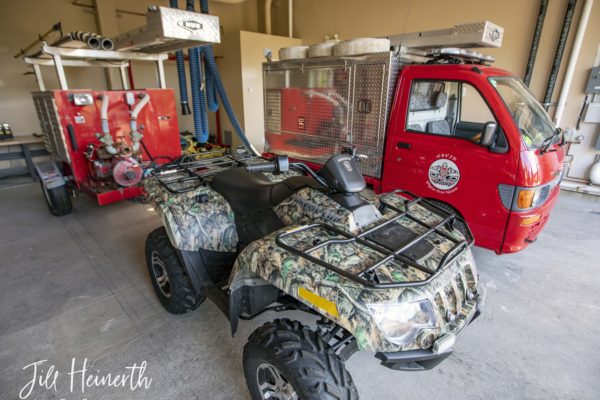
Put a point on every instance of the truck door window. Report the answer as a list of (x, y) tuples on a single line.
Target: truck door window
[(474, 113), (447, 108), (432, 106)]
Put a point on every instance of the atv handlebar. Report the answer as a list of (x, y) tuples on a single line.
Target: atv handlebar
[(262, 167), (278, 164), (282, 164)]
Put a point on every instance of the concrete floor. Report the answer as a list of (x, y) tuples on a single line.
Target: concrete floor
[(77, 287)]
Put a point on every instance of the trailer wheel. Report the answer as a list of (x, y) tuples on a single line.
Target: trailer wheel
[(171, 284), (58, 200), (460, 226), (284, 359)]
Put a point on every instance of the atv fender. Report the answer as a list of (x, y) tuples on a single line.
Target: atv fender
[(206, 268), (197, 219), (248, 294)]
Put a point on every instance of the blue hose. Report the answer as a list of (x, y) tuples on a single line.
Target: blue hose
[(211, 91), (204, 6), (212, 70), (196, 81), (214, 85), (203, 114), (183, 94)]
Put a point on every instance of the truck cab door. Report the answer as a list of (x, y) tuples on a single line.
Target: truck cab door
[(433, 150)]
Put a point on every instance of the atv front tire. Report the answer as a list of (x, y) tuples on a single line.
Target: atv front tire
[(171, 284), (286, 360), (58, 200)]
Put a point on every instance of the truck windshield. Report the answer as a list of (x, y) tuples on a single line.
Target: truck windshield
[(533, 121)]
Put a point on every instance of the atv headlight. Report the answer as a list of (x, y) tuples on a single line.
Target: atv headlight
[(401, 323)]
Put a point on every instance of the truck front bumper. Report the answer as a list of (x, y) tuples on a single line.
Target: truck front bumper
[(424, 359)]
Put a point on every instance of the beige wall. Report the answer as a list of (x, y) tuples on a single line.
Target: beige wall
[(241, 70), (253, 45)]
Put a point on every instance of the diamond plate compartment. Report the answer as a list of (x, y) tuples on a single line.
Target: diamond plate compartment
[(169, 29), (315, 107)]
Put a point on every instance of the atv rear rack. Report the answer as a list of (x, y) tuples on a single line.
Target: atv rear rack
[(367, 276), (187, 173)]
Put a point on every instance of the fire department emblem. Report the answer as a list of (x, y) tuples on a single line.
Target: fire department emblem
[(444, 174)]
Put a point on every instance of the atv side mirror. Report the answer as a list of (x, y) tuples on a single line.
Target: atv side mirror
[(489, 134)]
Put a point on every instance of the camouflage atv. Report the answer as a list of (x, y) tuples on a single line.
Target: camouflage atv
[(389, 275)]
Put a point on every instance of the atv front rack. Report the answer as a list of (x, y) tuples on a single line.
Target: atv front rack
[(367, 275), (190, 171)]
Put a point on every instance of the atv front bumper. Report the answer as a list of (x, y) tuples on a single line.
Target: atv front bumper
[(420, 360)]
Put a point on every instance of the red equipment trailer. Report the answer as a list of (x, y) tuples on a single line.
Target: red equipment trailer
[(101, 142), (106, 177), (443, 125)]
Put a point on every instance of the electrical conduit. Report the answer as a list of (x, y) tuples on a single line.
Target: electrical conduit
[(566, 86)]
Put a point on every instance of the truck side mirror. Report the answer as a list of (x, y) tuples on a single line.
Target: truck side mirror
[(489, 134)]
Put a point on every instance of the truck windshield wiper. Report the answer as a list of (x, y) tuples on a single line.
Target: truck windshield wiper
[(550, 140)]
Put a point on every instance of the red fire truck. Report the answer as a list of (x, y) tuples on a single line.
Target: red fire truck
[(437, 122)]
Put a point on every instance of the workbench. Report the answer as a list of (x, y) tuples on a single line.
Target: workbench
[(23, 142)]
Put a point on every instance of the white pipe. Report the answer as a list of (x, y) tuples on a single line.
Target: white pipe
[(136, 137), (104, 114), (136, 110), (566, 86), (106, 137), (290, 17), (268, 16)]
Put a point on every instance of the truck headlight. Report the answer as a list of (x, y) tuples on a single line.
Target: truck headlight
[(527, 198), (401, 323)]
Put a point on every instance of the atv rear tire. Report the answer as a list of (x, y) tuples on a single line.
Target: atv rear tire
[(171, 284), (58, 200), (285, 359)]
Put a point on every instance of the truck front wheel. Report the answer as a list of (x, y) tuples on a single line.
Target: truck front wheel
[(284, 359), (171, 284)]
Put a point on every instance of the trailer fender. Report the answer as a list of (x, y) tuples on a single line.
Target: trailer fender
[(49, 174)]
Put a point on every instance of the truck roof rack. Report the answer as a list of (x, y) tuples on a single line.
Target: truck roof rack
[(451, 55), (466, 36), (450, 45)]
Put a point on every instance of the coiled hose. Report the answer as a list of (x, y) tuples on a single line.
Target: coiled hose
[(195, 81), (203, 115), (214, 85), (183, 94), (205, 96)]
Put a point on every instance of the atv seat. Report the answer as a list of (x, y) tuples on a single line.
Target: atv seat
[(246, 192), (252, 197), (251, 192)]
